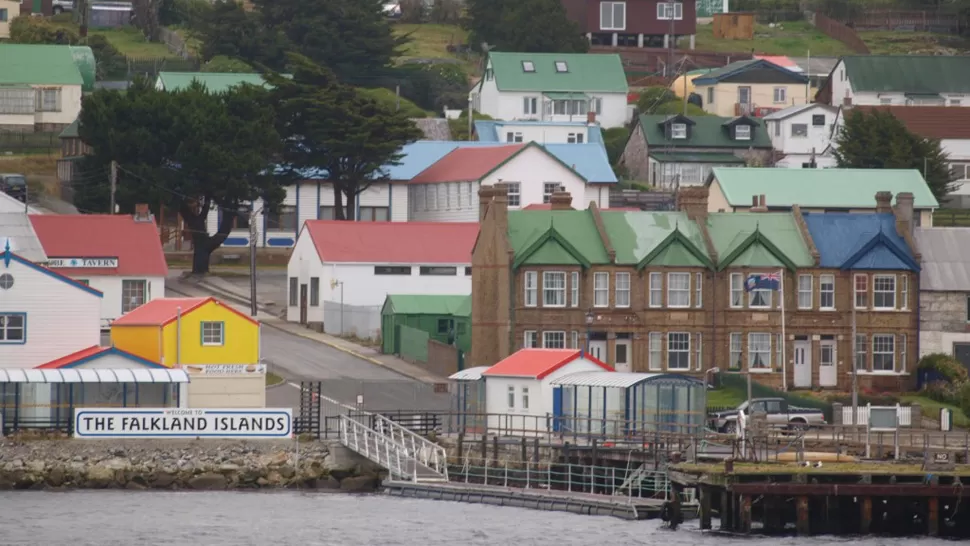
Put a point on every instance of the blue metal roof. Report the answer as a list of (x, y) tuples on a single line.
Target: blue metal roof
[(859, 241), (487, 130)]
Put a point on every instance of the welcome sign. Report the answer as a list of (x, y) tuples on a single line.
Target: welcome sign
[(183, 423)]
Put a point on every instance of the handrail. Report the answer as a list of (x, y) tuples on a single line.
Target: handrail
[(401, 447), (419, 448)]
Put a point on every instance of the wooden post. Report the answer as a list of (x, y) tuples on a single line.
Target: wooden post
[(865, 517), (745, 513), (705, 493), (725, 510), (536, 450), (772, 514), (676, 515), (525, 450), (933, 516), (484, 448), (495, 448), (801, 523), (461, 444)]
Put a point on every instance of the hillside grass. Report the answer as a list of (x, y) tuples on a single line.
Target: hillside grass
[(931, 409), (885, 42), (795, 38), (431, 41), (128, 40)]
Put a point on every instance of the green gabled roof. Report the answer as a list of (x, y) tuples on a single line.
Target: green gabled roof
[(758, 239), (544, 236), (586, 72), (707, 132), (71, 131), (820, 188), (427, 304), (32, 64), (918, 74), (643, 238), (214, 82), (696, 157)]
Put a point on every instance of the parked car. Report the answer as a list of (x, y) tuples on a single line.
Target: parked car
[(780, 414), (14, 185), (61, 6)]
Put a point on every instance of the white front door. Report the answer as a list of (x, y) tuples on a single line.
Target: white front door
[(597, 349), (827, 365), (803, 364), (622, 360)]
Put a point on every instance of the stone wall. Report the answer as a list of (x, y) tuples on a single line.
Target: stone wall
[(942, 320), (183, 464)]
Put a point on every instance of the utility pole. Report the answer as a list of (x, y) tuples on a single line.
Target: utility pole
[(855, 365), (114, 184), (253, 235), (83, 13)]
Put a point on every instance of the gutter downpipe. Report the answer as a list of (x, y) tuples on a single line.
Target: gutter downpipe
[(178, 337)]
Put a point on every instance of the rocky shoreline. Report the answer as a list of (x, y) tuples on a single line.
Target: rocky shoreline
[(183, 465)]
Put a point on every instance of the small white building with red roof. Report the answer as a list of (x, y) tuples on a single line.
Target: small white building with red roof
[(360, 263), (519, 389), (119, 255)]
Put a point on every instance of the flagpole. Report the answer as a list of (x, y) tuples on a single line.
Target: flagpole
[(784, 354)]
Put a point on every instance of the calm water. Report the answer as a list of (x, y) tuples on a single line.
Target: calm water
[(110, 518)]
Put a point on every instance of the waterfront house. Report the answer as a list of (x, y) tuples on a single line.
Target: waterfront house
[(187, 332), (41, 85), (803, 134), (898, 80), (753, 87)]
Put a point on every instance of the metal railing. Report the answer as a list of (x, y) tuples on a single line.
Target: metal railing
[(419, 449), (375, 447)]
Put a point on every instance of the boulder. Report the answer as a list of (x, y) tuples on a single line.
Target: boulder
[(99, 477), (208, 481), (359, 484)]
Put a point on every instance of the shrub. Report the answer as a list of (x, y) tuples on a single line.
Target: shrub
[(946, 366), (36, 30), (615, 141), (653, 97), (446, 12), (434, 86)]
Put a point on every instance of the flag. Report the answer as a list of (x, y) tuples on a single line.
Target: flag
[(764, 281)]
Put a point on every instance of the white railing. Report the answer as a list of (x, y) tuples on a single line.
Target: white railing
[(417, 447), (904, 414), (375, 447), (404, 454)]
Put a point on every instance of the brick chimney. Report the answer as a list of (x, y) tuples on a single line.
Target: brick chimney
[(759, 204), (491, 280), (904, 214), (561, 200), (693, 201), (484, 198), (500, 204), (591, 118), (884, 202), (142, 213)]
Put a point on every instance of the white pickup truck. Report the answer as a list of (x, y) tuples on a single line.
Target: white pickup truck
[(779, 413)]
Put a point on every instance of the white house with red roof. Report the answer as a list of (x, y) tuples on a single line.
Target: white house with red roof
[(119, 255), (447, 191), (359, 263), (521, 385)]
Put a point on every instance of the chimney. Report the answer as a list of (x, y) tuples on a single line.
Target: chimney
[(561, 200), (759, 204), (484, 198), (884, 201), (904, 214), (591, 118), (143, 213), (754, 201), (500, 204), (693, 201)]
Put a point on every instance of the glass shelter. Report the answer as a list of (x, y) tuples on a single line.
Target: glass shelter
[(628, 404), (468, 399)]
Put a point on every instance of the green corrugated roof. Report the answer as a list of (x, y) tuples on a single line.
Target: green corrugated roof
[(214, 82), (707, 132), (427, 304), (38, 65), (821, 188), (575, 226), (689, 157), (70, 131), (909, 73), (635, 235), (586, 72), (729, 231)]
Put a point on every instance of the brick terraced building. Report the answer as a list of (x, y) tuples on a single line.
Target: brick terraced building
[(665, 291)]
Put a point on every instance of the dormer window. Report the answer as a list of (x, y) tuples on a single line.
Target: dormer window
[(678, 131), (742, 132), (561, 66), (528, 66)]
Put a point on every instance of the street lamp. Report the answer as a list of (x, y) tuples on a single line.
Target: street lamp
[(589, 325)]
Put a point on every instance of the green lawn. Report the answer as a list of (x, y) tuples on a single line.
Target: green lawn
[(725, 397), (132, 43), (273, 379), (796, 38), (931, 409), (882, 42), (429, 41)]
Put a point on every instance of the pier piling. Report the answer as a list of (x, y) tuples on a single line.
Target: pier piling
[(933, 516), (865, 516), (802, 516), (745, 514), (705, 508)]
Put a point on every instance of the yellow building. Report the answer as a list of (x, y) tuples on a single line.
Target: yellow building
[(754, 87), (684, 84), (8, 10), (188, 331)]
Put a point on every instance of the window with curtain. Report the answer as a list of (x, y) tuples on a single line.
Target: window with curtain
[(656, 352), (553, 289), (759, 351), (622, 289), (678, 351), (601, 289), (678, 290), (656, 290)]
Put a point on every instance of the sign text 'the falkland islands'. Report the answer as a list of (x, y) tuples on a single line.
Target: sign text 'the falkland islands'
[(182, 423)]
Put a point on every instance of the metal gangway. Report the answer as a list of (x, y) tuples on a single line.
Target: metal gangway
[(405, 454)]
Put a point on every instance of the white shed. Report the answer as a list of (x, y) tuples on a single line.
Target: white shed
[(519, 391)]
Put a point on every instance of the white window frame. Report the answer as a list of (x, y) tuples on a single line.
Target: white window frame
[(766, 295), (757, 346), (904, 292), (511, 137), (655, 351), (574, 289), (779, 357), (678, 131), (891, 293), (574, 335), (805, 293), (530, 107), (525, 397), (779, 95), (902, 353), (736, 292), (676, 346), (823, 280), (802, 133), (612, 7), (553, 288), (531, 287), (670, 10), (530, 340), (860, 298), (742, 135), (213, 333), (883, 351), (698, 357), (656, 290), (861, 352), (698, 290), (622, 287), (736, 351), (6, 328), (601, 288), (551, 339), (510, 401), (129, 290), (678, 290), (514, 194), (549, 188), (575, 138)]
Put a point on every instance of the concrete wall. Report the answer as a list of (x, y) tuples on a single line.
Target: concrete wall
[(227, 391), (942, 321), (362, 321)]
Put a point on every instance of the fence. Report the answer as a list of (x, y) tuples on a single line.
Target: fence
[(23, 142), (361, 321), (951, 218), (912, 20), (174, 42), (412, 343), (151, 67), (904, 415), (837, 31)]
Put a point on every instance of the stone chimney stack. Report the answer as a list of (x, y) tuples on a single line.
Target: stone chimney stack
[(884, 202), (591, 118), (760, 204), (561, 200), (693, 201), (904, 214), (500, 204), (143, 213), (484, 198)]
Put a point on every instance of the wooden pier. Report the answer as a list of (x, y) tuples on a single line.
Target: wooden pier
[(834, 498), (537, 499)]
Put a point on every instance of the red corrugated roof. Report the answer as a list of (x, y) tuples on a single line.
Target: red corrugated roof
[(162, 311), (548, 206), (943, 122), (463, 164), (538, 363), (135, 244), (74, 357), (779, 60), (417, 243)]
